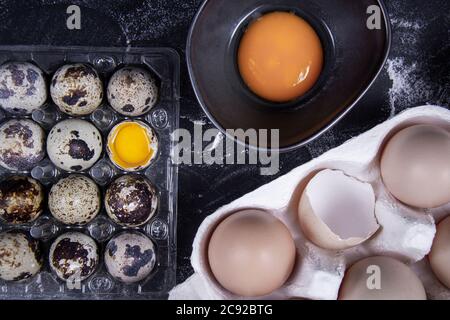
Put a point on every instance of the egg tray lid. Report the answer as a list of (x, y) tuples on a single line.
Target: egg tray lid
[(164, 63)]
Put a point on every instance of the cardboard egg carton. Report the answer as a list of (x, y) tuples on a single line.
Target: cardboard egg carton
[(405, 233)]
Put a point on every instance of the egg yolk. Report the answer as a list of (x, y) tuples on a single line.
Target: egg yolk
[(280, 57), (130, 145)]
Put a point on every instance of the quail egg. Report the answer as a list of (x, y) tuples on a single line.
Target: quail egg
[(74, 200), (74, 145), (132, 91), (74, 256), (20, 256), (130, 257), (21, 200), (131, 200), (22, 144), (22, 88), (77, 89)]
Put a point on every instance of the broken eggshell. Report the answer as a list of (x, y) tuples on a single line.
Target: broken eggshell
[(337, 211)]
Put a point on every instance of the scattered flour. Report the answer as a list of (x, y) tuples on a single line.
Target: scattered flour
[(407, 86)]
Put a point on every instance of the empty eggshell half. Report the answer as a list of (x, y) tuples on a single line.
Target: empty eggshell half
[(336, 211)]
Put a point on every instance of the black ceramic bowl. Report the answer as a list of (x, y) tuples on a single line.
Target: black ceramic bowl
[(354, 56)]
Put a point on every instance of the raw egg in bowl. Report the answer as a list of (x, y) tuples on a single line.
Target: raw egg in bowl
[(280, 56), (288, 65), (132, 145)]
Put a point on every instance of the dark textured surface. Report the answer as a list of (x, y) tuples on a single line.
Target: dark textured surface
[(417, 73)]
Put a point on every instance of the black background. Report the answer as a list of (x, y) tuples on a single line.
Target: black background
[(417, 73)]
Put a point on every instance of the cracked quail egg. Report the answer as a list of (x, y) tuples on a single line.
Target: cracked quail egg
[(130, 257), (20, 256), (77, 89), (74, 255), (74, 200), (21, 199), (74, 145), (22, 144), (22, 88), (132, 145), (132, 91), (131, 200)]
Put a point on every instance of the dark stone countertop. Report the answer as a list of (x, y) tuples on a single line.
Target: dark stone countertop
[(417, 73)]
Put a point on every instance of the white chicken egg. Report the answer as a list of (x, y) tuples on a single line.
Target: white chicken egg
[(74, 254), (77, 89), (74, 200), (20, 256), (22, 87), (130, 257), (74, 145), (22, 144), (132, 91)]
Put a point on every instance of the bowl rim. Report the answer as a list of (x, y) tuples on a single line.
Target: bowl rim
[(313, 137)]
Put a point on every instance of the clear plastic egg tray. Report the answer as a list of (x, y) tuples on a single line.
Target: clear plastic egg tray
[(163, 118)]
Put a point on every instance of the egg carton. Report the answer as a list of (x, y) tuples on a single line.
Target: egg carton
[(405, 233), (163, 118)]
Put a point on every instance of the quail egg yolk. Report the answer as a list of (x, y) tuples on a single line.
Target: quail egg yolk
[(280, 57), (130, 145)]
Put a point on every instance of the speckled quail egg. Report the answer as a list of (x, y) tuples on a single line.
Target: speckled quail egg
[(20, 256), (73, 256), (131, 200), (77, 89), (130, 257), (21, 199), (74, 145), (132, 91), (22, 87), (22, 144), (74, 200)]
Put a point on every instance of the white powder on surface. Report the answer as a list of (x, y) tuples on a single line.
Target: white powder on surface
[(409, 66), (408, 88)]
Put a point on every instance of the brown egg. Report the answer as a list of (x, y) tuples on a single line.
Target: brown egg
[(381, 278), (415, 166), (440, 253), (251, 253)]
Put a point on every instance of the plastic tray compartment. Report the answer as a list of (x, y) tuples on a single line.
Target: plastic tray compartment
[(164, 63)]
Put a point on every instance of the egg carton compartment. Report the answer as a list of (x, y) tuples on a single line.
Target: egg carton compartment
[(404, 232), (163, 64)]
